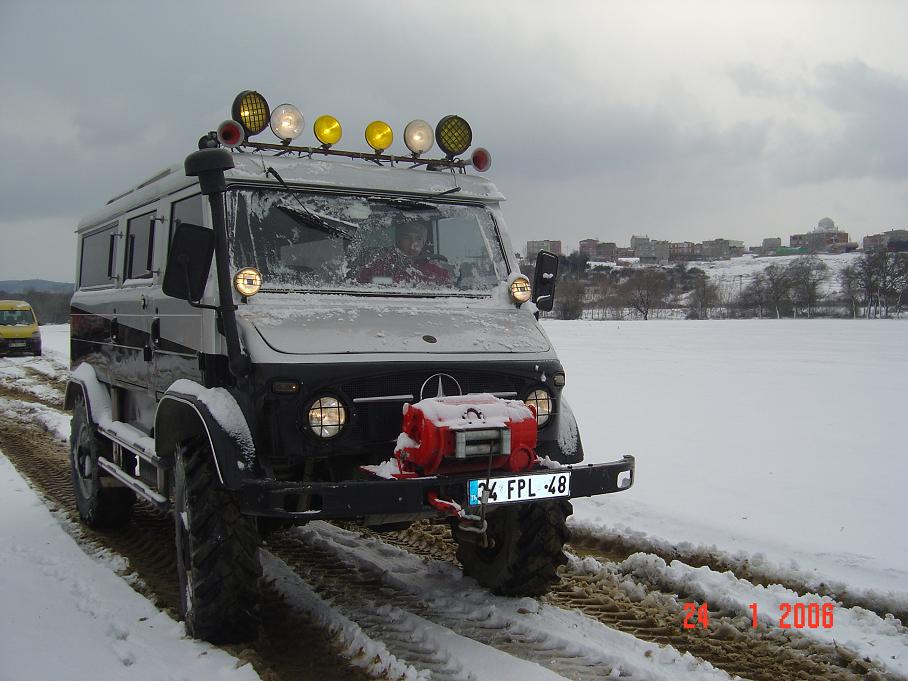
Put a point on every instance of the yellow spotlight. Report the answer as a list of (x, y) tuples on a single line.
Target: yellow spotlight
[(247, 281), (520, 289), (379, 136), (453, 135), (327, 130), (251, 110)]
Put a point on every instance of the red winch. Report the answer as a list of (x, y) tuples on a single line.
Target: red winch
[(453, 434)]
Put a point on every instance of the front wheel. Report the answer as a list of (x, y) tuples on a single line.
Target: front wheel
[(217, 552), (525, 551), (98, 506)]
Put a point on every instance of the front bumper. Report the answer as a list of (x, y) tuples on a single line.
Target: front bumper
[(379, 497), (11, 345)]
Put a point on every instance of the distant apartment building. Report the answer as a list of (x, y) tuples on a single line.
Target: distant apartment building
[(588, 247), (606, 250), (824, 238), (638, 241), (682, 251), (818, 242), (892, 240), (716, 249), (533, 247), (771, 244)]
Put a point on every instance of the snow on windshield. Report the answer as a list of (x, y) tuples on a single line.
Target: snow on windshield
[(329, 242)]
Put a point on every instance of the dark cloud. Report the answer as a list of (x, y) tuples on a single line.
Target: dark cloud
[(869, 138)]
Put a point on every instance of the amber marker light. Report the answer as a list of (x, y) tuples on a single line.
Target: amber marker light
[(327, 130), (379, 136), (251, 110), (520, 289), (247, 282)]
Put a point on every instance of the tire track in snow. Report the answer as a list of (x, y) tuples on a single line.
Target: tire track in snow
[(646, 611), (349, 570), (148, 549), (616, 546)]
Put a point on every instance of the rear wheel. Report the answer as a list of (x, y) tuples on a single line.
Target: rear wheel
[(217, 552), (527, 547), (98, 506)]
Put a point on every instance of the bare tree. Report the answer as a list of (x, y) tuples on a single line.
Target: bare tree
[(569, 301), (776, 288), (806, 275), (703, 296), (646, 290)]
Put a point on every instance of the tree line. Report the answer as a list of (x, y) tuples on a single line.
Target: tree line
[(874, 286), (50, 307)]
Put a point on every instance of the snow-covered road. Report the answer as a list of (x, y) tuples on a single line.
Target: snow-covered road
[(395, 606)]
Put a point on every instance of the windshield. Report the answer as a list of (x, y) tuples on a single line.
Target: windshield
[(16, 318), (331, 242)]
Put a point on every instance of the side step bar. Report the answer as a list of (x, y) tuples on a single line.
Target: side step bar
[(161, 503)]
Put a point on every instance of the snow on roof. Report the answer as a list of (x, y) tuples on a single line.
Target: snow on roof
[(309, 172)]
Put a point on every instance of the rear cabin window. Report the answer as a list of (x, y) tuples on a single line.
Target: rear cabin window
[(96, 258), (189, 211), (139, 246)]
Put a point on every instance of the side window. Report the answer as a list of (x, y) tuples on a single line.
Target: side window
[(189, 210), (139, 246), (97, 258)]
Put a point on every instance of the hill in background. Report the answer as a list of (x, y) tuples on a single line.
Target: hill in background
[(43, 285), (49, 299)]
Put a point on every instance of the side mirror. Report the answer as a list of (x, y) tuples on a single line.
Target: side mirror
[(544, 280), (188, 262)]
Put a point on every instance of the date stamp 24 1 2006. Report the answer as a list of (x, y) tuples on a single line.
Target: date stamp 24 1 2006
[(791, 615)]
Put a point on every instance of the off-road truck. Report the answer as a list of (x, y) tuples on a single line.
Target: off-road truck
[(250, 346)]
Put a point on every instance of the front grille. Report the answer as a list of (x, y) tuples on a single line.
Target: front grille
[(410, 383)]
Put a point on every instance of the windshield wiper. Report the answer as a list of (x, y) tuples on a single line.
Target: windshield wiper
[(307, 217), (404, 204), (316, 220)]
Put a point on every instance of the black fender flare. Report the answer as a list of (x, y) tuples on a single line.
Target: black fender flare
[(84, 381), (182, 415)]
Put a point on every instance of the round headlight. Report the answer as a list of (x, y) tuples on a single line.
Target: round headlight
[(418, 137), (327, 416), (453, 135), (542, 400), (247, 281), (327, 130), (520, 289), (251, 110), (287, 122), (379, 135)]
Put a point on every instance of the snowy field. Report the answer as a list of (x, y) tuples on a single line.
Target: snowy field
[(772, 444), (781, 440)]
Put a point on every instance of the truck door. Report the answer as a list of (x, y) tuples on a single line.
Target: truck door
[(175, 326), (132, 326)]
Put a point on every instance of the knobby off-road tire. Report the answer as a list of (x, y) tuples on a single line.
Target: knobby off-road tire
[(99, 507), (217, 552), (528, 548)]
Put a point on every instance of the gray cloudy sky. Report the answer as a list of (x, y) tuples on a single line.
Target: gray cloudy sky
[(680, 120)]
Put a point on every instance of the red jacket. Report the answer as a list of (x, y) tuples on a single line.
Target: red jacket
[(401, 269)]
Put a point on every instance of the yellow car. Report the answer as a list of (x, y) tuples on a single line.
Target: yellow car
[(18, 328)]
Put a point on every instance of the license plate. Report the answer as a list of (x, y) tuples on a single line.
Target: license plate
[(521, 488), (17, 344)]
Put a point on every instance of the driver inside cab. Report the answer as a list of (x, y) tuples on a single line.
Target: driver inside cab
[(409, 261)]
